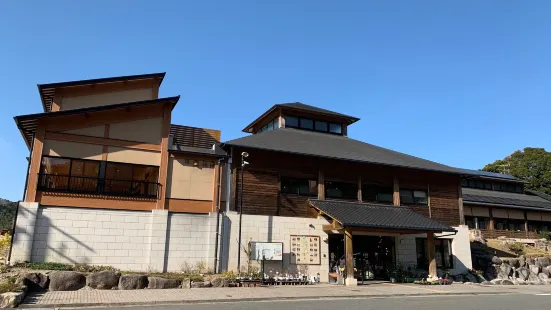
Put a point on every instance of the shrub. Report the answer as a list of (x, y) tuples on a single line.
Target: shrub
[(5, 242), (49, 266), (545, 235), (93, 268), (516, 247), (8, 287), (230, 275)]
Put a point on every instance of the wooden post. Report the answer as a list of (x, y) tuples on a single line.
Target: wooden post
[(163, 168), (460, 202), (349, 254), (431, 254), (491, 219), (526, 223), (396, 194), (359, 188), (36, 160), (321, 185)]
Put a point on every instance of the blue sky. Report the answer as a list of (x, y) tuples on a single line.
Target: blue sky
[(462, 83)]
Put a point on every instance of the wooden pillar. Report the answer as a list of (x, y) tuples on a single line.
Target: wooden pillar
[(36, 159), (460, 202), (396, 194), (163, 168), (431, 255), (321, 185), (56, 103), (491, 219), (360, 189), (526, 223), (349, 254)]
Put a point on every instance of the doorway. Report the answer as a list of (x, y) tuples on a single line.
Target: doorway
[(374, 256)]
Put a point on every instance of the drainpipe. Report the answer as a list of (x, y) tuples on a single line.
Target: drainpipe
[(217, 197)]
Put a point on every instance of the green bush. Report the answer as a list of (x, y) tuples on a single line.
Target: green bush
[(93, 268), (5, 242), (48, 266), (545, 235), (9, 286), (516, 247)]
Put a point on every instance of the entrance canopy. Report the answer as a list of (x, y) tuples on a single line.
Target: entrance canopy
[(377, 217)]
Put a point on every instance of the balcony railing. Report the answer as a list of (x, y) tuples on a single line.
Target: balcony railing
[(97, 186)]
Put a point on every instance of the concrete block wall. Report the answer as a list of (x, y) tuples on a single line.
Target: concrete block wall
[(276, 229), (406, 251), (24, 231)]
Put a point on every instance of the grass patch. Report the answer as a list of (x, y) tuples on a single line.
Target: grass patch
[(529, 251), (169, 275), (9, 286)]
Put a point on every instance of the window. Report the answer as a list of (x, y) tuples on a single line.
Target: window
[(341, 190), (131, 179), (385, 195), (509, 224), (64, 174), (476, 222), (306, 123), (335, 128), (273, 124), (321, 126), (443, 254), (291, 121), (413, 197), (303, 187), (470, 221)]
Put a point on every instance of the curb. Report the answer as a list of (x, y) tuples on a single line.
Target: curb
[(229, 300)]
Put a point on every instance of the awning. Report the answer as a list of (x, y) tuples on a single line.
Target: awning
[(380, 217)]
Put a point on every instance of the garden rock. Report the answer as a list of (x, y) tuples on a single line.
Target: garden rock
[(534, 269), (507, 282), (533, 279), (543, 262), (496, 260), (160, 283), (66, 281), (11, 299), (519, 282), (35, 282), (221, 282), (103, 280), (543, 277), (459, 278), (186, 283), (522, 261), (530, 261), (496, 281), (469, 277), (486, 283), (522, 273), (201, 284), (132, 282)]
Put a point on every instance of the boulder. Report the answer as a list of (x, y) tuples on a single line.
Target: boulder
[(496, 260), (469, 277), (522, 261), (533, 279), (507, 282), (545, 270), (221, 282), (459, 278), (522, 273), (490, 273), (160, 283), (543, 262), (505, 269), (542, 276), (103, 280), (486, 283), (530, 261), (496, 281), (534, 269), (519, 282), (35, 282), (66, 281), (132, 282), (186, 283), (11, 299), (200, 284)]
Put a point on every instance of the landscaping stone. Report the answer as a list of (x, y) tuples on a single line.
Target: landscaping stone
[(221, 282), (201, 284), (522, 261), (543, 262), (519, 282), (534, 270), (504, 271), (66, 281), (496, 281), (530, 261), (543, 276), (11, 299), (186, 283), (522, 273), (459, 278), (161, 283), (507, 282), (486, 283), (496, 260), (545, 270), (35, 282), (103, 280), (132, 282), (533, 279)]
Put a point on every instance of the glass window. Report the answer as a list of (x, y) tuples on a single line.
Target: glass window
[(469, 220), (488, 185), (306, 123), (291, 121), (420, 197), (385, 195), (296, 186), (335, 128), (270, 126), (341, 190), (483, 222), (442, 249), (55, 165), (406, 197), (321, 126)]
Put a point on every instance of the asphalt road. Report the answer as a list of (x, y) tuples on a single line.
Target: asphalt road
[(516, 302)]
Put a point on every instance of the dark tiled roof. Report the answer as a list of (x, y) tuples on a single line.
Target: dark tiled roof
[(309, 108), (512, 200), (179, 149), (540, 194), (492, 175), (334, 146), (356, 214)]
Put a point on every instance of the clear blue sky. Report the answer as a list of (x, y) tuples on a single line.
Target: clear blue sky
[(462, 83)]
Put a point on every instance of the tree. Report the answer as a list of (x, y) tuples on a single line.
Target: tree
[(531, 164), (7, 214)]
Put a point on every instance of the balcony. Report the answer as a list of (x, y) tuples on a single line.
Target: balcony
[(97, 186)]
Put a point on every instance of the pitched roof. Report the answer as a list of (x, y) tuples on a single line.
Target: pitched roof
[(302, 107), (47, 91), (492, 175), (325, 145), (540, 194), (356, 214), (504, 199)]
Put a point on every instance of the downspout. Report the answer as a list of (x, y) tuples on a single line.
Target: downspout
[(217, 197)]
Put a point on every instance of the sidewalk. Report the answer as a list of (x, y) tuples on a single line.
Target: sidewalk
[(175, 296)]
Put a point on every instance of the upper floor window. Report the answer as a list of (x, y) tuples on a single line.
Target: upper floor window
[(413, 197), (382, 194), (273, 124), (489, 185), (312, 124), (341, 190), (298, 186)]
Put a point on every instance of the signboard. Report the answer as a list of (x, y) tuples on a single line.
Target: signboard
[(267, 251), (305, 250)]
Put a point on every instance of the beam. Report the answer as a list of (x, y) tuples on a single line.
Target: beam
[(321, 185), (349, 256), (460, 202), (333, 226), (102, 141), (491, 219), (163, 168), (34, 169), (359, 188), (396, 194), (431, 255)]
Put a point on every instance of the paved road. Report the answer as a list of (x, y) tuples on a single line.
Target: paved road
[(483, 302)]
